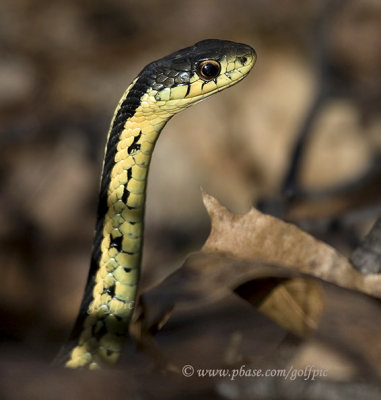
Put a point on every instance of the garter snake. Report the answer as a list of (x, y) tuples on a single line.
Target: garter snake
[(162, 89)]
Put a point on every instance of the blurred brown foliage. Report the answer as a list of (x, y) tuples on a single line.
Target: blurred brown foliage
[(300, 138)]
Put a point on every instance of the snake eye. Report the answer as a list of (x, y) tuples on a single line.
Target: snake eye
[(208, 69)]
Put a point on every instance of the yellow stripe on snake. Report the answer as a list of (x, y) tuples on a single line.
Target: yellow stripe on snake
[(162, 89)]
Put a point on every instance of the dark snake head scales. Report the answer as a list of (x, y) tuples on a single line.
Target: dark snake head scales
[(179, 67)]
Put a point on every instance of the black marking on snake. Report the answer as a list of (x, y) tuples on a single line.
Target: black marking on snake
[(135, 145), (116, 242), (188, 89), (110, 290), (99, 333), (203, 84), (126, 194), (127, 269), (227, 74), (129, 173), (119, 299)]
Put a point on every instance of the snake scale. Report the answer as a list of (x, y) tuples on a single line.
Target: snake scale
[(162, 89)]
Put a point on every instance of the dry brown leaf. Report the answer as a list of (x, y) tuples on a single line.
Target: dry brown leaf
[(295, 304), (289, 298), (274, 266), (367, 257), (337, 317), (260, 237), (209, 333), (348, 336)]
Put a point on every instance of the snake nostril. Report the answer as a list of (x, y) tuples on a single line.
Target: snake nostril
[(243, 60)]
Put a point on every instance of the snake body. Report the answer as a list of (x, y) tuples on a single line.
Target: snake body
[(162, 89)]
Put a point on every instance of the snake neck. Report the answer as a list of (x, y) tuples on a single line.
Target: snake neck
[(110, 294)]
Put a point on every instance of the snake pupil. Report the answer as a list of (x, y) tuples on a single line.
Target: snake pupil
[(209, 69)]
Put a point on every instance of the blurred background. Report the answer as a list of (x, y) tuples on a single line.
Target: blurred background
[(300, 137)]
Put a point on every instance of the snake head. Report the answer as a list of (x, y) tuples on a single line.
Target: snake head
[(194, 73)]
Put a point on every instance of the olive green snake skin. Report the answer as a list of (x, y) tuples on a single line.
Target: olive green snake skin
[(162, 89)]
